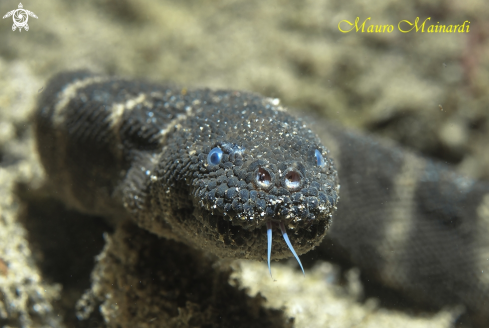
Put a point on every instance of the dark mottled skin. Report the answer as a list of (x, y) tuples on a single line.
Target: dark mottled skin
[(151, 163), (411, 224), (408, 223)]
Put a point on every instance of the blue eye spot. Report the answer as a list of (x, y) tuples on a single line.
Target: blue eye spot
[(215, 156), (319, 158)]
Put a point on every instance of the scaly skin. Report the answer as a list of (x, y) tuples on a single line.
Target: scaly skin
[(129, 149)]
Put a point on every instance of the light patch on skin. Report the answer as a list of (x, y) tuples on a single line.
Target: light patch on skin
[(131, 103), (483, 253), (118, 109), (115, 117), (69, 92), (275, 104), (397, 230), (174, 123)]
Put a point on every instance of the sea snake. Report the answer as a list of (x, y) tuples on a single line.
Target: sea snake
[(220, 170), (215, 169)]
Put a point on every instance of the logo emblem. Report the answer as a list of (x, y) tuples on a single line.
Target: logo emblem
[(20, 17)]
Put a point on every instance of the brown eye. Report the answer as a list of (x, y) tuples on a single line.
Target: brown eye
[(263, 178), (292, 180)]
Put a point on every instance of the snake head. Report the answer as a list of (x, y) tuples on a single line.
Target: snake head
[(238, 168)]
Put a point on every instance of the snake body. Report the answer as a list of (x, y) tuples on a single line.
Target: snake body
[(221, 170)]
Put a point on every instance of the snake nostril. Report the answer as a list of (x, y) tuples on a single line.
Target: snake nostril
[(292, 180), (263, 178)]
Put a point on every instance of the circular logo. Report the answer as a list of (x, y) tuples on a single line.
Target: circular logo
[(20, 18)]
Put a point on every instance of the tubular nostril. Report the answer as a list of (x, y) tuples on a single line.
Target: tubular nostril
[(263, 178), (292, 180)]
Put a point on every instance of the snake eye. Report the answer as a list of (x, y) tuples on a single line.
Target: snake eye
[(319, 158), (215, 156)]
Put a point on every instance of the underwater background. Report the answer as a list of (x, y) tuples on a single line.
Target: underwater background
[(425, 90)]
